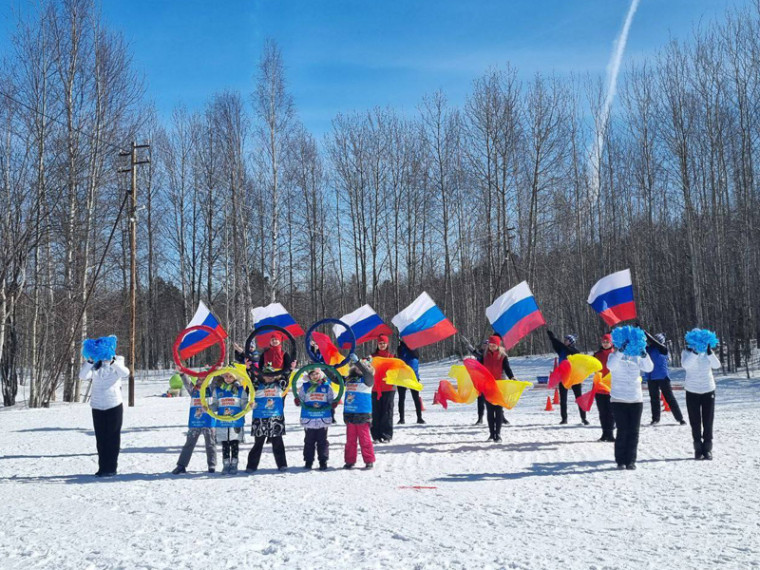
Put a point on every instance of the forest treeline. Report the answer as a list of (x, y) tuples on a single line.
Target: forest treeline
[(241, 205)]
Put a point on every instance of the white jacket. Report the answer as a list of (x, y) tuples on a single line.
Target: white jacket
[(626, 376), (106, 382), (699, 367)]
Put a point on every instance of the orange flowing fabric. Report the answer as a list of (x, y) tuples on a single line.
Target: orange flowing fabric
[(511, 390), (329, 351), (586, 400), (464, 393), (603, 383), (559, 374), (396, 372), (484, 382), (581, 367)]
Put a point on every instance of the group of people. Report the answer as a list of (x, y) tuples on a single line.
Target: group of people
[(622, 405), (369, 403)]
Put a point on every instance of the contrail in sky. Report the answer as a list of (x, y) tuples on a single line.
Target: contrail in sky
[(613, 68)]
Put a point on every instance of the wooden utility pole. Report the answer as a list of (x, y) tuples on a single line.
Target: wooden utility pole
[(133, 263)]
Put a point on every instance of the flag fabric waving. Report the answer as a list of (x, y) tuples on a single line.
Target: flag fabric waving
[(612, 298), (198, 341), (274, 314), (515, 314), (422, 323), (365, 324)]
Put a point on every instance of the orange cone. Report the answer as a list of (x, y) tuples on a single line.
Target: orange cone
[(556, 395), (549, 407), (665, 402)]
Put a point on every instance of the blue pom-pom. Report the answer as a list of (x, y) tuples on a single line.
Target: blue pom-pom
[(700, 339), (631, 341), (103, 348)]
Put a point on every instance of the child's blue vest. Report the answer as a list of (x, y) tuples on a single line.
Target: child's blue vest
[(198, 416), (315, 395), (268, 401), (358, 397), (229, 403)]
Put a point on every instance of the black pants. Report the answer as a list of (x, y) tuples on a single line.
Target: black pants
[(494, 416), (654, 387), (278, 448), (605, 415), (481, 407), (701, 408), (316, 438), (628, 420), (563, 400), (382, 415), (230, 448), (107, 424), (402, 398)]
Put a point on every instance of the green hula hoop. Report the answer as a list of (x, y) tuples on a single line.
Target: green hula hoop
[(330, 372)]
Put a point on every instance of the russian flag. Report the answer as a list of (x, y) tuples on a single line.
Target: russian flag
[(274, 314), (365, 324), (612, 298), (422, 323), (198, 341), (515, 314)]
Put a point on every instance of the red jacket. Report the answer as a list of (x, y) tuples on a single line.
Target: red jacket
[(380, 384)]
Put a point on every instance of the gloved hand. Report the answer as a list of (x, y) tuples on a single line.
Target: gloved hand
[(709, 349), (335, 405), (353, 358), (297, 402)]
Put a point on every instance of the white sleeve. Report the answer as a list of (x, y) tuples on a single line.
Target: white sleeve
[(645, 363), (614, 360), (714, 361), (119, 367), (688, 359), (85, 373)]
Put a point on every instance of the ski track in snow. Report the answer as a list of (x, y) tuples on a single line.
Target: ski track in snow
[(547, 497)]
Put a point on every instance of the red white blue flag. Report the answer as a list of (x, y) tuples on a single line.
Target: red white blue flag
[(515, 314), (274, 314), (199, 340), (364, 323), (423, 323), (612, 298)]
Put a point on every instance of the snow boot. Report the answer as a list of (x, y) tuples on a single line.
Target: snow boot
[(401, 421), (178, 470), (226, 465), (584, 421), (420, 421), (212, 469), (307, 466), (369, 466), (323, 465), (698, 450), (707, 450), (631, 467), (349, 465), (480, 421), (282, 468), (563, 422), (234, 466)]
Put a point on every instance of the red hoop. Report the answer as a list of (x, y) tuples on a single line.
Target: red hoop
[(190, 371)]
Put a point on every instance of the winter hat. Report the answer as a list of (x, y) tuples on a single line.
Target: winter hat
[(607, 337), (660, 337), (96, 349), (494, 339), (382, 338), (571, 340), (275, 335)]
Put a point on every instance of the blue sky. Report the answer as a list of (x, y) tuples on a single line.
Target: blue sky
[(351, 55)]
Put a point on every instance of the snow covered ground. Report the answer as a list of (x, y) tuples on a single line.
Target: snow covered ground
[(547, 497)]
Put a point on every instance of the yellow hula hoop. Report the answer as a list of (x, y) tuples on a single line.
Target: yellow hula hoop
[(239, 372)]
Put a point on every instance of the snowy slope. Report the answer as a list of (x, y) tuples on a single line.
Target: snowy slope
[(547, 497)]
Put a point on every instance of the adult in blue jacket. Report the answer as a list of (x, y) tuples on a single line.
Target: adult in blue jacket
[(412, 358), (658, 379)]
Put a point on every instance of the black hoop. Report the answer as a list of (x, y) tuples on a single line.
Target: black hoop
[(263, 329)]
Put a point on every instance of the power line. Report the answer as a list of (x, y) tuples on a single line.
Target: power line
[(63, 124)]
